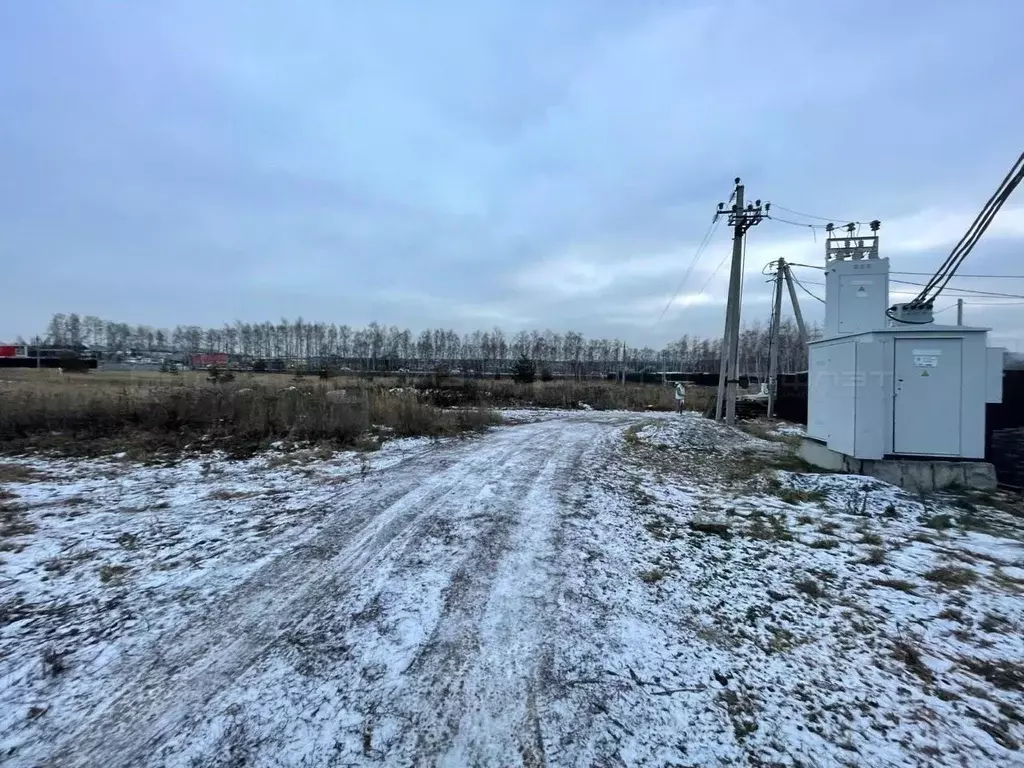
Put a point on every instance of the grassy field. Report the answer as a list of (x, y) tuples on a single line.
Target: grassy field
[(105, 411)]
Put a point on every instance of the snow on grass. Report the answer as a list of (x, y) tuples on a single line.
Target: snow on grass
[(582, 589), (788, 617), (526, 415), (97, 557), (789, 430)]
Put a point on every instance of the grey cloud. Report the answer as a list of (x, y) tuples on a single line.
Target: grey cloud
[(469, 164)]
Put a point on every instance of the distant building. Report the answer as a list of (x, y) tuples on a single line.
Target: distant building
[(13, 350), (76, 357), (206, 360)]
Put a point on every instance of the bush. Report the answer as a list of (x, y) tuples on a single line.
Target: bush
[(524, 371), (259, 366), (546, 375), (217, 375)]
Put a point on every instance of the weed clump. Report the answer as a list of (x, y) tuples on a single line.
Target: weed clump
[(652, 576), (939, 522), (901, 585), (875, 556), (824, 544), (810, 587), (952, 576), (53, 662), (907, 649), (712, 527)]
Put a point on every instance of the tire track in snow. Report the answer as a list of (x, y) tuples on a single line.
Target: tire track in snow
[(169, 689), (476, 688), (471, 685)]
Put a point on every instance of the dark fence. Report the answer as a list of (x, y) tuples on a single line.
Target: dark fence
[(68, 364), (1004, 431), (697, 379), (791, 397)]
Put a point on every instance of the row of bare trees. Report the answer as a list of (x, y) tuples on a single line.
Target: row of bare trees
[(378, 346)]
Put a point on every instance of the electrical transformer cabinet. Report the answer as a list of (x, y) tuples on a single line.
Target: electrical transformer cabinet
[(904, 391)]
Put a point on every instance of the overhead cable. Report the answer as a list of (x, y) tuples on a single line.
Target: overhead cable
[(693, 262), (812, 216), (804, 288), (966, 244), (969, 291)]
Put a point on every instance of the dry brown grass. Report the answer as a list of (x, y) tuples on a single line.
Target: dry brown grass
[(13, 523), (148, 411), (17, 473), (225, 494), (97, 412), (952, 576), (561, 393), (899, 584)]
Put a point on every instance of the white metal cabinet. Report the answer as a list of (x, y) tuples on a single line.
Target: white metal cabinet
[(927, 396)]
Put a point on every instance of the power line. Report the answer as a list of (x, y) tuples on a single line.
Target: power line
[(928, 274), (968, 291), (712, 227), (956, 291), (965, 245), (997, 304), (977, 296), (812, 216), (712, 275), (796, 223), (921, 274), (805, 290)]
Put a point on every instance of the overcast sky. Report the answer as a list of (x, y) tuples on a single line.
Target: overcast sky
[(526, 163)]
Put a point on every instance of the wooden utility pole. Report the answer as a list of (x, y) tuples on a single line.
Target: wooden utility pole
[(773, 358), (740, 219)]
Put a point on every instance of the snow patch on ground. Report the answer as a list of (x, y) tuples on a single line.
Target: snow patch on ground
[(787, 430), (789, 618), (108, 554), (582, 588)]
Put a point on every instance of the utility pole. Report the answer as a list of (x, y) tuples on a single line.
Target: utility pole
[(773, 358), (796, 306), (740, 219), (959, 311)]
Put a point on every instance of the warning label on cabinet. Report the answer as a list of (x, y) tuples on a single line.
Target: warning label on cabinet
[(926, 361)]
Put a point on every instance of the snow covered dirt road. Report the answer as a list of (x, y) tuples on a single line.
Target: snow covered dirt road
[(411, 626), (580, 589)]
